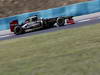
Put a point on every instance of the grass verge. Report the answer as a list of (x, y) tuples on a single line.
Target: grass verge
[(65, 52)]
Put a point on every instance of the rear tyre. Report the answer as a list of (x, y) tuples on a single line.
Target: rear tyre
[(18, 30), (60, 21)]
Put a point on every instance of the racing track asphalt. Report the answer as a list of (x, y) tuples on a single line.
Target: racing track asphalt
[(78, 24)]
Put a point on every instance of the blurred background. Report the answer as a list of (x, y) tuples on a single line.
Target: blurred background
[(13, 7)]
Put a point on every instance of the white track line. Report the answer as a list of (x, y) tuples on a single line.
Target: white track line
[(85, 20), (4, 36)]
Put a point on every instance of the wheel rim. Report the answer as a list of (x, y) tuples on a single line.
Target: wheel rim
[(17, 30), (60, 22)]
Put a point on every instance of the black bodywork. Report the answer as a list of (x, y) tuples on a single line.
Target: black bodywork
[(34, 23)]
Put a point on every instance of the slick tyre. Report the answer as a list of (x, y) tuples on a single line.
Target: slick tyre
[(18, 30), (60, 21)]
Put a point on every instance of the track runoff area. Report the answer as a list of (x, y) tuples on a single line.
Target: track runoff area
[(79, 23)]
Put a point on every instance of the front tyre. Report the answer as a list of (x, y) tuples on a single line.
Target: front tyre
[(60, 21), (18, 30)]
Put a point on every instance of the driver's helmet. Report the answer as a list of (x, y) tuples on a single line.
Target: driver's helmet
[(27, 21), (34, 18)]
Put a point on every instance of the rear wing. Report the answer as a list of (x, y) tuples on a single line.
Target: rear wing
[(13, 24)]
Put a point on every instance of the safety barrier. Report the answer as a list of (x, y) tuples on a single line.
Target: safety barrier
[(70, 10)]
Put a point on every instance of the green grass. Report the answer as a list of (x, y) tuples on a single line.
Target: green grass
[(65, 52)]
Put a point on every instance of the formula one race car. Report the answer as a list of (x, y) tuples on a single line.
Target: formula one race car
[(34, 23)]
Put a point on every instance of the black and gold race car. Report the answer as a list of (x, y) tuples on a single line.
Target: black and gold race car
[(34, 23)]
